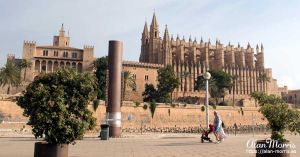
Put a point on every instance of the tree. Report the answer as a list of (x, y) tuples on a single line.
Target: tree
[(167, 83), (101, 65), (263, 98), (10, 75), (24, 65), (150, 93), (278, 114), (128, 80), (56, 104), (262, 79), (152, 108), (219, 82)]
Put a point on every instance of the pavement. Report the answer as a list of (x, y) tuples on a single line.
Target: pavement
[(148, 145)]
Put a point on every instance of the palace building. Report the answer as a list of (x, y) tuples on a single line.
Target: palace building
[(50, 58)]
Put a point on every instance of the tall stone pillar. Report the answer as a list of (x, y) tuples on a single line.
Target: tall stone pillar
[(114, 87)]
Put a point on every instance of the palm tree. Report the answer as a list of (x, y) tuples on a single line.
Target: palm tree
[(185, 75), (128, 80), (24, 65), (9, 75), (263, 78)]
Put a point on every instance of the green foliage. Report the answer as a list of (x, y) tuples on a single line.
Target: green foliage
[(145, 107), (263, 78), (202, 108), (10, 75), (219, 82), (211, 103), (242, 111), (1, 116), (214, 106), (152, 108), (150, 93), (278, 114), (173, 105), (263, 98), (137, 104), (96, 103), (128, 80), (56, 104), (167, 83), (101, 65), (223, 103)]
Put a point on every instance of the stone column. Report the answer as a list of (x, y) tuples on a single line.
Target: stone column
[(52, 66), (114, 87)]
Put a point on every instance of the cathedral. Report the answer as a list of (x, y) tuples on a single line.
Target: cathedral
[(190, 58)]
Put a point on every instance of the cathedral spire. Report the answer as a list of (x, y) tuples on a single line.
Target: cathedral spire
[(195, 40), (201, 40), (177, 38), (262, 48), (190, 38), (239, 45), (154, 22), (166, 34), (257, 48), (154, 30), (62, 31), (145, 31), (248, 46)]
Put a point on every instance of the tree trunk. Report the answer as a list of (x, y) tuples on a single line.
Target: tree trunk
[(124, 90), (8, 89), (171, 98), (25, 74)]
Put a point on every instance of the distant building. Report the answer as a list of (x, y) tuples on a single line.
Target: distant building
[(50, 58), (293, 97)]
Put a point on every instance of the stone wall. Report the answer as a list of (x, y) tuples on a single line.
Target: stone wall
[(133, 117)]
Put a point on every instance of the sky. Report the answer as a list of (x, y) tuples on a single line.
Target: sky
[(275, 23)]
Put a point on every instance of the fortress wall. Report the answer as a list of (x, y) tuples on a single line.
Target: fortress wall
[(189, 116)]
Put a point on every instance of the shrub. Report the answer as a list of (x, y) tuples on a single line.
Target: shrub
[(1, 116), (152, 108), (56, 104), (280, 117), (145, 107), (173, 105), (96, 103), (137, 104), (223, 103), (242, 111), (202, 108)]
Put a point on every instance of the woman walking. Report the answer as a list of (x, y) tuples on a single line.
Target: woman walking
[(218, 131)]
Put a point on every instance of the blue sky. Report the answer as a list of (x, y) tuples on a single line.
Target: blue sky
[(275, 23)]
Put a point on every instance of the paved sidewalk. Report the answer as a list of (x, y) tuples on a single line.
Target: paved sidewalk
[(151, 145)]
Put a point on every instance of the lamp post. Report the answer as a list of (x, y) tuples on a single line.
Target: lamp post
[(207, 76)]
